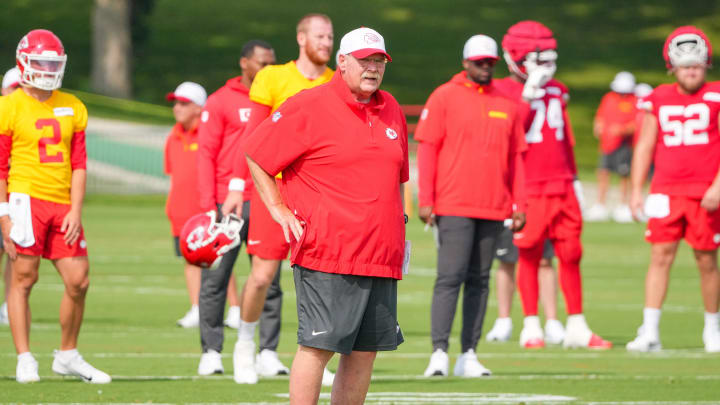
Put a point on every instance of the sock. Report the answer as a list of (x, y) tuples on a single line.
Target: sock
[(67, 355), (25, 356), (504, 322), (569, 252), (527, 278), (712, 320), (532, 322), (246, 331), (651, 321)]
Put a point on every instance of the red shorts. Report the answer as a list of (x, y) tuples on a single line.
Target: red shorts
[(700, 228), (47, 218), (265, 236), (550, 217)]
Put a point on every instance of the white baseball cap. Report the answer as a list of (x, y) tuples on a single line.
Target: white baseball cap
[(189, 91), (11, 78), (624, 83), (642, 90), (363, 42), (480, 47)]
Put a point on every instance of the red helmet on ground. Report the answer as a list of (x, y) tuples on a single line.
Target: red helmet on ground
[(528, 37), (204, 241), (41, 59), (687, 46)]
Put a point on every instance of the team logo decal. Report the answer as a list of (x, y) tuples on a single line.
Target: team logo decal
[(391, 134), (276, 117), (370, 38), (244, 114), (24, 43)]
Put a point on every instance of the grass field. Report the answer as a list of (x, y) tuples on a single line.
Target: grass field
[(137, 292)]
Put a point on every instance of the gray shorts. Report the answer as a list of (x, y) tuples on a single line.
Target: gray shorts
[(618, 161), (507, 252), (344, 313)]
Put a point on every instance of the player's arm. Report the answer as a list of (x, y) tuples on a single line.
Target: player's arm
[(642, 158), (5, 223), (711, 198), (72, 223)]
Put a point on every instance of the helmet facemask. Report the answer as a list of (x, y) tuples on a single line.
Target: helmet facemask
[(44, 71), (687, 50)]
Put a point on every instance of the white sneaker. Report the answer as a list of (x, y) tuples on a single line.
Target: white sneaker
[(233, 318), (622, 214), (4, 319), (596, 213), (711, 338), (579, 335), (210, 363), (554, 332), (531, 336), (244, 362), (267, 364), (467, 365), (501, 330), (439, 364), (328, 378), (27, 370), (77, 366), (644, 342), (191, 318)]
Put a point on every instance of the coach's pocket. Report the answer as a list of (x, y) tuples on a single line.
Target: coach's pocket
[(657, 206)]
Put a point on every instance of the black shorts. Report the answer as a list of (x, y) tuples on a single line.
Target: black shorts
[(176, 242), (618, 161), (507, 252), (344, 313)]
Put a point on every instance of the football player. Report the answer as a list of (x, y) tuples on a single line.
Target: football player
[(530, 51), (43, 130), (680, 136)]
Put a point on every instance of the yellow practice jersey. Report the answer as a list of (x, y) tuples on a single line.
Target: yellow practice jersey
[(42, 135), (276, 83)]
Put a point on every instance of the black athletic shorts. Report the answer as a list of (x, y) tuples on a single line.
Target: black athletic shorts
[(618, 161), (507, 252), (344, 313), (176, 242)]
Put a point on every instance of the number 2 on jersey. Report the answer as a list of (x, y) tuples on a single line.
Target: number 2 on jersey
[(44, 142), (683, 133), (554, 116)]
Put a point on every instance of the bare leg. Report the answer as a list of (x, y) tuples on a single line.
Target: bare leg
[(7, 276), (306, 375), (625, 190), (232, 292), (74, 273), (505, 283), (709, 278), (662, 256), (603, 183), (353, 378), (548, 289), (256, 286), (24, 276), (192, 281)]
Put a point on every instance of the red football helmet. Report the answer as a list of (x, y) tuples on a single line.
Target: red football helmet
[(204, 241), (528, 43), (41, 59), (687, 46)]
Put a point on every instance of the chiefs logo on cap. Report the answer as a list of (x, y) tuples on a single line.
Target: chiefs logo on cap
[(391, 134), (370, 38)]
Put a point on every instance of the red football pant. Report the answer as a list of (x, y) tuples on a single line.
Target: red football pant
[(559, 219)]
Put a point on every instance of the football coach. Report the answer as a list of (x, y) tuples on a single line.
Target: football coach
[(342, 150)]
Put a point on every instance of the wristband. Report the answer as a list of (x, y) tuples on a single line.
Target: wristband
[(4, 209), (407, 219), (236, 184)]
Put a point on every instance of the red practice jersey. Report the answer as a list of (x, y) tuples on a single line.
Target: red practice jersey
[(617, 113)]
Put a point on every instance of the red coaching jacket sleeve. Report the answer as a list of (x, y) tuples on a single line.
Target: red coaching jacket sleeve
[(517, 165), (257, 115), (210, 133), (430, 133), (167, 164), (78, 151)]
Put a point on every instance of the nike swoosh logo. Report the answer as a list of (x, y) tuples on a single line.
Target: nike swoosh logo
[(318, 333)]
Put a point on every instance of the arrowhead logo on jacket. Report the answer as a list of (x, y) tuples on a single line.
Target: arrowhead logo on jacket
[(391, 134)]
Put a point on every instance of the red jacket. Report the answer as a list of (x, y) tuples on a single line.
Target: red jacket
[(181, 165), (469, 158)]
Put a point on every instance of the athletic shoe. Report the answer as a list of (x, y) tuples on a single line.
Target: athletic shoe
[(210, 363), (622, 214), (4, 319), (191, 318), (439, 364), (579, 335), (27, 369), (644, 342), (711, 338), (244, 362), (501, 330), (554, 332), (531, 336), (233, 318), (467, 365), (267, 364), (328, 378), (78, 367), (596, 213)]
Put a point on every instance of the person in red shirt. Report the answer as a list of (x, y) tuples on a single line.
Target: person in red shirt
[(471, 178), (614, 126), (552, 192), (181, 165), (223, 123), (680, 137), (344, 160)]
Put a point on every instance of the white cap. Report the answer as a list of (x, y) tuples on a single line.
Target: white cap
[(363, 42), (642, 90), (189, 91), (480, 47), (624, 83), (11, 78)]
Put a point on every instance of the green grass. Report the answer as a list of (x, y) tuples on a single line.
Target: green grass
[(137, 292)]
